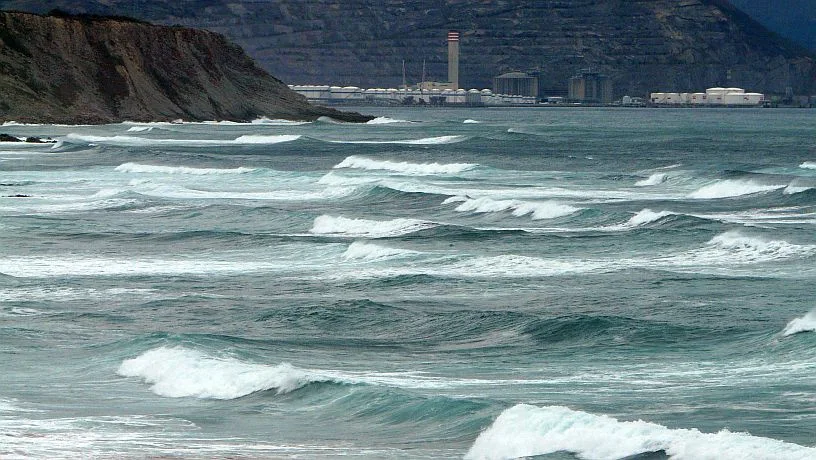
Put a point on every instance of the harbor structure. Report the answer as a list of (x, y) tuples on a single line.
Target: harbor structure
[(352, 95)]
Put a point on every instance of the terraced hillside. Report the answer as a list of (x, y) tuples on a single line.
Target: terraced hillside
[(644, 45)]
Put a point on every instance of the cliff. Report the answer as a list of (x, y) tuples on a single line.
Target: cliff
[(644, 45), (68, 69)]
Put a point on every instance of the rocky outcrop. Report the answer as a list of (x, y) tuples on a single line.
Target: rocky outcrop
[(66, 69)]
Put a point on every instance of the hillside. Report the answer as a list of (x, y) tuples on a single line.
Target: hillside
[(98, 70), (794, 19), (644, 45)]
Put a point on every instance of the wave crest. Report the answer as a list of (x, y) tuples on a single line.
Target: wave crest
[(537, 210), (732, 188), (360, 250), (134, 141), (524, 430), (808, 165), (654, 179), (404, 167), (438, 140), (385, 121), (140, 168), (343, 226), (806, 323), (180, 372)]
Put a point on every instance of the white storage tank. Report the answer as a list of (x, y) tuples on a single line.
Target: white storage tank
[(658, 98), (755, 98), (673, 98), (716, 91), (699, 98)]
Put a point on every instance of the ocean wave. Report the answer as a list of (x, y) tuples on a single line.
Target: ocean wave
[(471, 122), (133, 141), (140, 129), (140, 168), (524, 431), (180, 372), (808, 165), (794, 189), (806, 323), (385, 121), (537, 210), (173, 191), (654, 179), (368, 252), (404, 167), (646, 216), (345, 227), (438, 140), (733, 247), (732, 188)]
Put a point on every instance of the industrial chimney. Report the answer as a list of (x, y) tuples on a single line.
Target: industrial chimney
[(453, 59)]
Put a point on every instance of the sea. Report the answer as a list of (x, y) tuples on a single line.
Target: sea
[(484, 283)]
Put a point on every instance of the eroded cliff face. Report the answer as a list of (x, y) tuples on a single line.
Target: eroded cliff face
[(99, 70)]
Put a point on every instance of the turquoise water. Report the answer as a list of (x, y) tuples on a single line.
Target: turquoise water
[(493, 283)]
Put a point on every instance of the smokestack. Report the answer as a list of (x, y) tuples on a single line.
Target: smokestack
[(453, 59)]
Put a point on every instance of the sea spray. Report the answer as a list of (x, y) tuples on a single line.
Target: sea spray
[(806, 323), (403, 167)]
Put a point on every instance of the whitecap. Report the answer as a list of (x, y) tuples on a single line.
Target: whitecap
[(806, 323), (134, 141), (141, 168), (794, 189), (646, 216), (404, 167), (438, 140), (808, 165), (345, 227), (654, 179), (732, 188), (537, 210), (368, 252), (525, 431), (139, 129), (180, 372), (385, 121), (471, 122)]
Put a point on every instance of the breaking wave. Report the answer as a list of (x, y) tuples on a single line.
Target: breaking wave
[(140, 168), (654, 179), (368, 252), (524, 430), (537, 210), (404, 167), (133, 141), (345, 227), (471, 122), (438, 140), (180, 372), (732, 188), (385, 121), (808, 165), (806, 323), (646, 216)]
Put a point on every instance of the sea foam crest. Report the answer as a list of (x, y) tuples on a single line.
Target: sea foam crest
[(437, 140), (732, 188), (179, 372), (404, 167), (345, 227), (525, 431), (806, 323), (368, 252), (537, 210), (654, 179), (471, 122), (646, 216), (135, 141), (385, 121), (808, 165), (753, 248), (140, 168)]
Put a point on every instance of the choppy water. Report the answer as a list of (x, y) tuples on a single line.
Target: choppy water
[(474, 283)]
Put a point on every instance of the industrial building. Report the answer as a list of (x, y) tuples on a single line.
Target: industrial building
[(351, 95), (516, 83), (590, 87), (712, 97)]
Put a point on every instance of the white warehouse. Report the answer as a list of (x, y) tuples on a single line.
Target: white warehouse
[(712, 97)]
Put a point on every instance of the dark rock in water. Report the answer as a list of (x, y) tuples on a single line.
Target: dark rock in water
[(656, 455), (88, 69), (7, 138), (19, 196), (37, 140)]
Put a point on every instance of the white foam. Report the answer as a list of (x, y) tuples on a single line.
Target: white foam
[(471, 122), (537, 210), (525, 430), (733, 248), (794, 189), (180, 372), (808, 165), (732, 188), (806, 323), (368, 252), (654, 179), (133, 141), (141, 168), (345, 227), (404, 167), (139, 129), (385, 121), (646, 216), (438, 140)]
